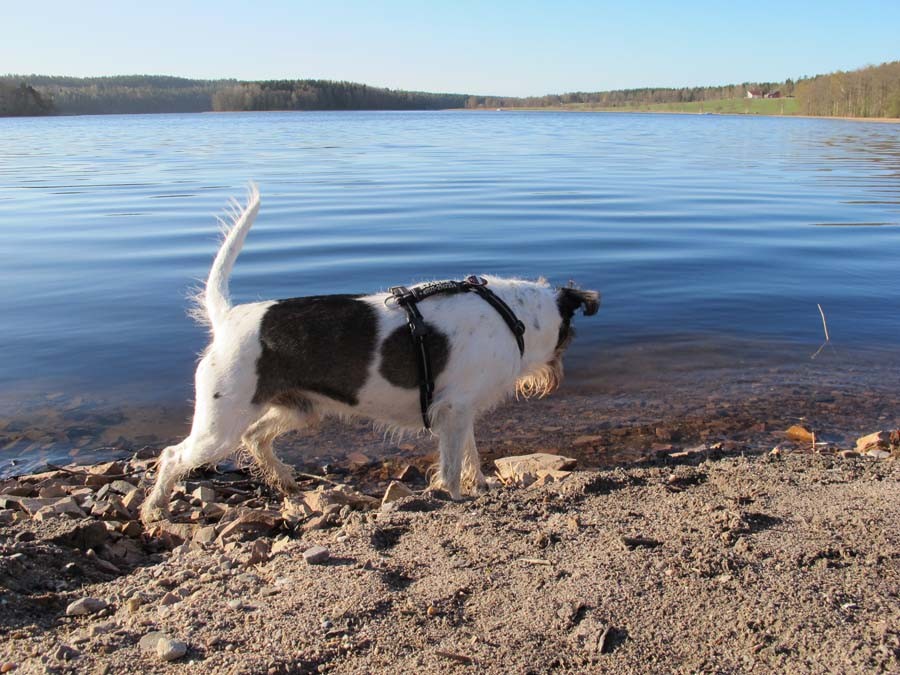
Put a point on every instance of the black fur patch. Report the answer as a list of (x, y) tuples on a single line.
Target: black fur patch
[(322, 344), (399, 358)]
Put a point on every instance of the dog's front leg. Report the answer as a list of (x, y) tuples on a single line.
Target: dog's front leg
[(454, 427), (472, 477)]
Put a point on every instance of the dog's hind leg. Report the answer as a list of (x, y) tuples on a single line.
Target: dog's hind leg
[(215, 434), (454, 427), (472, 477), (259, 438)]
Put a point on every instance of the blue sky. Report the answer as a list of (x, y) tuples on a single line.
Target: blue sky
[(500, 47)]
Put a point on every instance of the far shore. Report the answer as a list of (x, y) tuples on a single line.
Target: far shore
[(885, 120), (555, 109)]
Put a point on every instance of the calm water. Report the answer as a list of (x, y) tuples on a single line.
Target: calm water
[(712, 239)]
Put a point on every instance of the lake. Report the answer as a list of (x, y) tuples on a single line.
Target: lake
[(712, 238)]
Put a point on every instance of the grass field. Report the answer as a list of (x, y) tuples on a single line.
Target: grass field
[(732, 106)]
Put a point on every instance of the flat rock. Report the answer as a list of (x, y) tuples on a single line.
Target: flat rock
[(149, 641), (316, 555), (168, 649), (524, 468), (394, 492), (84, 606)]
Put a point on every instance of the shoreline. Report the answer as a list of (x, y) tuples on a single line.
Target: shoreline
[(884, 120), (880, 120), (736, 546)]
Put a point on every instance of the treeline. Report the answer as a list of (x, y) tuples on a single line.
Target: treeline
[(161, 94), (873, 91), (627, 98), (326, 95), (126, 94), (22, 100)]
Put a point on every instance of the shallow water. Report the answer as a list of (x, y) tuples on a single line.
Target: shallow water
[(712, 238)]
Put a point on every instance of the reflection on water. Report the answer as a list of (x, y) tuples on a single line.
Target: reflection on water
[(712, 238)]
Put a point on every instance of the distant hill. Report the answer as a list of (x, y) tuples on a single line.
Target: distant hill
[(158, 94), (873, 91)]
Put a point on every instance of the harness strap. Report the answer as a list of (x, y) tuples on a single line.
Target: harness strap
[(408, 299)]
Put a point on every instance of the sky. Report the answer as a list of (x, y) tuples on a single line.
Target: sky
[(499, 47)]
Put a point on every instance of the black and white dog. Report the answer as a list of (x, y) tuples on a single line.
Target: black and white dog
[(280, 365)]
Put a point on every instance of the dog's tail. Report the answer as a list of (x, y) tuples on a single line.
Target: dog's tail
[(213, 302)]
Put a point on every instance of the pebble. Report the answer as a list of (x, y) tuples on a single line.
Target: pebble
[(85, 606), (169, 599), (7, 667), (316, 555), (237, 603), (65, 653), (132, 604), (149, 641), (169, 650)]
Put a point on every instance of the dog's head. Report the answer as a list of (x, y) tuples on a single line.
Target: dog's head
[(569, 300), (547, 377)]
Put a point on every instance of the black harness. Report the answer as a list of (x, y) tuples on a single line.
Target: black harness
[(408, 299)]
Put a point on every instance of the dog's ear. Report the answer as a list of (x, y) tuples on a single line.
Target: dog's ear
[(570, 299)]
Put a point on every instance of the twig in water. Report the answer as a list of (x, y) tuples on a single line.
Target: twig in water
[(827, 337)]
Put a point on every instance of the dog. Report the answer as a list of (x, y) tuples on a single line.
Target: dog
[(276, 366)]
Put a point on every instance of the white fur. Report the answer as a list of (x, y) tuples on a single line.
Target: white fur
[(484, 367)]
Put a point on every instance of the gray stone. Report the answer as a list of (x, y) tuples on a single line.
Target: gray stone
[(149, 641), (316, 555), (84, 606), (169, 650)]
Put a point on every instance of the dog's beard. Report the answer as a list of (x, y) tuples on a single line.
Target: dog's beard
[(541, 381)]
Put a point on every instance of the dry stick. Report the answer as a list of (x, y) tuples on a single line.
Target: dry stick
[(827, 337)]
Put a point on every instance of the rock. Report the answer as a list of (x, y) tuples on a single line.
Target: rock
[(412, 476), (122, 487), (150, 640), (8, 666), (800, 434), (51, 491), (281, 545), (587, 440), (133, 604), (85, 606), (878, 454), (87, 535), (878, 440), (133, 500), (69, 507), (394, 492), (249, 523), (259, 552), (214, 510), (316, 555), (523, 469), (205, 535), (294, 512), (848, 454), (45, 514), (169, 598), (65, 653), (132, 528), (204, 494)]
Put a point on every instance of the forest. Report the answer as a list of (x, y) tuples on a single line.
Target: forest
[(872, 91)]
